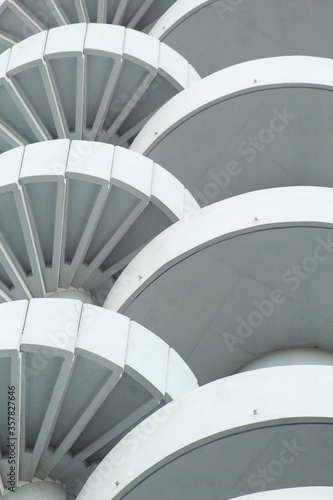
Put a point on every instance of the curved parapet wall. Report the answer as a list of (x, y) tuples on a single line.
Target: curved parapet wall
[(214, 34), (73, 214), (309, 493), (86, 81), (290, 357), (251, 432), (22, 18), (240, 278), (256, 125), (82, 377)]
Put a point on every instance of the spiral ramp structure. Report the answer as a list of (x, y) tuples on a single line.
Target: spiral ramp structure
[(166, 220)]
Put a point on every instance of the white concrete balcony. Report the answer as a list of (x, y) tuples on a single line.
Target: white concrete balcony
[(83, 377), (267, 429), (22, 18), (256, 125), (73, 215), (93, 81), (239, 279)]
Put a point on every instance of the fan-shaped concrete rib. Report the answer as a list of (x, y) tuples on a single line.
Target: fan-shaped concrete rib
[(241, 278), (86, 81), (82, 377), (261, 124), (22, 18), (251, 432), (215, 34), (73, 214)]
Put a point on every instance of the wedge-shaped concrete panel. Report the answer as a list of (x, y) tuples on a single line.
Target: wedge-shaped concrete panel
[(261, 124), (82, 381), (241, 278), (215, 34), (86, 81), (251, 432), (20, 19), (73, 214)]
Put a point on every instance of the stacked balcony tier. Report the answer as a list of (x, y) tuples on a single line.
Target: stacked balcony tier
[(86, 81), (73, 214), (82, 377)]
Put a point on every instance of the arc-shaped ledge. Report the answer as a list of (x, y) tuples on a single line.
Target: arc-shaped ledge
[(240, 278), (86, 81), (309, 493), (22, 18), (73, 214), (265, 123), (87, 375), (263, 424), (213, 35)]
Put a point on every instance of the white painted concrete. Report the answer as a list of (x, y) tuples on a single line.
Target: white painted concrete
[(85, 297), (242, 423), (20, 19), (215, 34), (77, 212), (233, 269), (87, 81), (309, 493), (83, 377), (255, 125), (290, 357)]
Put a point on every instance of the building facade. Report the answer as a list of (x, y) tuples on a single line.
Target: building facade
[(166, 215)]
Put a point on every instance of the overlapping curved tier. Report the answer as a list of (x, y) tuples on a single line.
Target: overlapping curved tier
[(261, 124), (90, 81), (90, 108), (213, 35), (83, 377), (73, 214), (252, 273), (263, 422), (22, 18)]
